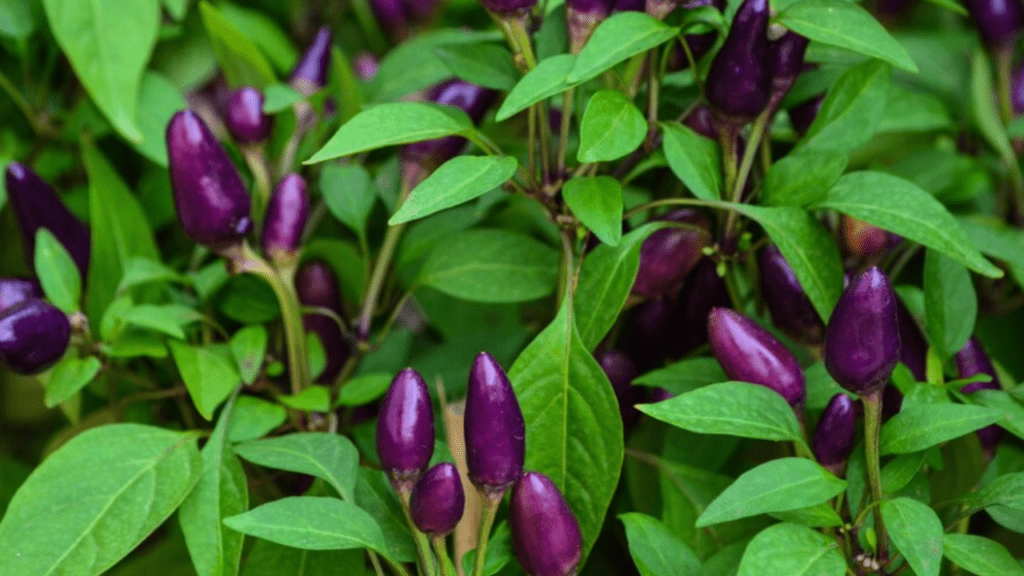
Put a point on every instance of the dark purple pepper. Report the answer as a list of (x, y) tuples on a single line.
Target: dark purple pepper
[(739, 81), (972, 360), (508, 7), (791, 309), (863, 240), (437, 500), (405, 430), (699, 44), (33, 336), (365, 66), (621, 370), (546, 537), (629, 6), (702, 291), (702, 121), (836, 433), (471, 99), (749, 353), (649, 332), (212, 203), (36, 206), (244, 116), (1017, 91), (999, 21), (892, 402), (669, 254), (582, 17), (311, 73), (659, 395), (494, 428), (802, 115), (786, 60), (316, 286), (285, 219), (14, 290), (391, 18), (913, 346), (862, 338)]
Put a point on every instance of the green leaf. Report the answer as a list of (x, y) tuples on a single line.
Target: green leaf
[(684, 376), (980, 556), (209, 377), (241, 61), (176, 8), (270, 559), (808, 248), (68, 377), (851, 112), (694, 159), (916, 532), (392, 124), (544, 81), (1011, 411), (617, 38), (803, 178), (483, 63), (993, 237), (900, 206), (221, 492), (900, 471), (134, 477), (983, 107), (279, 97), (845, 25), (775, 486), (819, 515), (458, 180), (572, 420), (951, 305), (108, 43), (611, 127), (364, 389), (597, 202), (57, 272), (912, 111), (1006, 491), (656, 551), (16, 19), (165, 318), (924, 425), (375, 495), (349, 194), (499, 552), (159, 100), (139, 271), (265, 33), (314, 398), (491, 266), (312, 523), (791, 550), (731, 408), (253, 417), (249, 348), (328, 456)]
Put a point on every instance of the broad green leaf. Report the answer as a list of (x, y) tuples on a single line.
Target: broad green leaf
[(791, 550), (279, 97), (375, 495), (1002, 498), (363, 389), (1011, 411), (684, 376), (819, 515), (544, 81), (222, 491), (458, 180), (803, 178), (134, 477), (249, 347), (108, 43), (731, 408), (176, 8), (159, 100), (264, 31), (694, 159), (241, 61), (253, 417), (349, 194), (611, 127), (16, 19), (414, 64), (913, 111), (808, 248), (775, 486), (269, 559), (922, 426), (209, 376), (597, 202), (392, 124), (485, 64), (311, 523), (845, 25), (851, 112), (951, 305), (902, 207), (57, 272), (572, 420), (491, 266), (686, 491), (993, 237), (617, 38), (916, 532), (68, 377), (980, 556), (656, 551), (900, 471), (328, 456)]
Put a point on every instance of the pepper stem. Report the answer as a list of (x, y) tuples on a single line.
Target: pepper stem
[(444, 563), (424, 557), (487, 514), (872, 427)]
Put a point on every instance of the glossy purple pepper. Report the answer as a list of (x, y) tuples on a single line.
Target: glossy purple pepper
[(802, 115), (313, 69), (36, 206), (546, 537), (494, 428), (998, 21), (14, 290), (33, 336), (1017, 91), (212, 203), (244, 116), (669, 254), (739, 81), (862, 341), (836, 433), (749, 353), (786, 61), (405, 430), (471, 99), (913, 346), (437, 500), (285, 219), (316, 286), (972, 360), (582, 17), (621, 370), (791, 309)]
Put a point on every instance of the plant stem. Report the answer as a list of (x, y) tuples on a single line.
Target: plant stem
[(568, 101), (381, 266), (487, 514), (262, 183), (444, 563), (395, 566), (872, 427), (424, 557)]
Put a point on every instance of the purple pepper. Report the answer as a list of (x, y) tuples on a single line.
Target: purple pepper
[(36, 206), (33, 336), (494, 428), (244, 116), (546, 537), (508, 7), (15, 290), (862, 341), (212, 204), (702, 121), (739, 81), (1017, 91), (972, 360), (649, 332), (802, 115), (749, 353), (437, 501), (786, 61), (703, 291), (391, 18), (791, 309), (582, 17), (863, 240), (629, 6), (312, 70), (700, 44), (999, 21), (405, 430), (621, 370), (471, 99), (892, 402), (316, 286), (913, 346), (285, 219), (669, 254), (836, 433), (365, 66)]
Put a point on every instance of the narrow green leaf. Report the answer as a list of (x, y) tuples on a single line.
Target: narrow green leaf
[(597, 202), (980, 556), (951, 305), (209, 377), (68, 377), (611, 127), (694, 159), (617, 38), (924, 425), (916, 532), (851, 112), (819, 515), (983, 107), (57, 272), (544, 81), (1011, 411), (314, 398), (329, 456), (458, 180), (803, 178), (791, 550), (311, 523), (656, 551), (241, 61)]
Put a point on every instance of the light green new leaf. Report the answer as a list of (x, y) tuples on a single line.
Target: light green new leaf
[(611, 127), (597, 202), (209, 376), (68, 377), (57, 272), (241, 61)]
